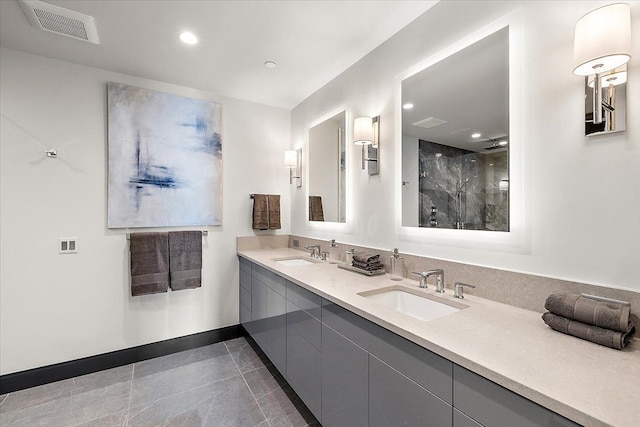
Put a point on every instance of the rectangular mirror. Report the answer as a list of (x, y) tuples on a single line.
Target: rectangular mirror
[(327, 170), (455, 140)]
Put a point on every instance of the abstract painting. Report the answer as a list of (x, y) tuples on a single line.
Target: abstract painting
[(165, 159)]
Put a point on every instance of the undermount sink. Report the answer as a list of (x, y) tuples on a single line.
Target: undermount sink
[(417, 305), (297, 261)]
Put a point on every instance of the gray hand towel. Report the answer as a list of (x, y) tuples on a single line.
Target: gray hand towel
[(185, 255), (266, 212), (606, 337), (149, 258), (365, 257), (602, 314), (369, 266)]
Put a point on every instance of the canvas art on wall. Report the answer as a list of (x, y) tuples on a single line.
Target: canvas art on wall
[(165, 159)]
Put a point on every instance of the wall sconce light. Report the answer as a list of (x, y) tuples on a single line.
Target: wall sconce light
[(503, 185), (293, 160), (602, 43), (366, 133)]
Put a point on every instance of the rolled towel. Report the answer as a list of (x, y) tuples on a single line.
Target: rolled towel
[(365, 257), (606, 337), (602, 314)]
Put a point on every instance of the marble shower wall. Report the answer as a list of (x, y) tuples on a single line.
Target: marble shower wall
[(461, 186)]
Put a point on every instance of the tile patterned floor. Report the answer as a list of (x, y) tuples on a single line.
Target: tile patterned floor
[(226, 384)]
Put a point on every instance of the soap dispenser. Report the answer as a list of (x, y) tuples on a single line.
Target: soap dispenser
[(334, 255), (397, 265)]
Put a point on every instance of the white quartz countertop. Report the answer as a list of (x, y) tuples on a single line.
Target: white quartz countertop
[(585, 382)]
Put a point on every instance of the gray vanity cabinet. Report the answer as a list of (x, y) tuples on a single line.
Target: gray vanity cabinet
[(304, 349), (461, 420), (395, 400), (492, 405), (245, 293), (276, 330), (432, 372), (259, 313), (345, 381)]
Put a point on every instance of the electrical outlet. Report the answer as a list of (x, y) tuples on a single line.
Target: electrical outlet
[(68, 245), (296, 243)]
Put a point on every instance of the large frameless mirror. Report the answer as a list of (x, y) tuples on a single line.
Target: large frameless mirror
[(327, 170), (455, 140)]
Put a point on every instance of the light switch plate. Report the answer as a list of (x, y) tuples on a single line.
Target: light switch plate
[(68, 245)]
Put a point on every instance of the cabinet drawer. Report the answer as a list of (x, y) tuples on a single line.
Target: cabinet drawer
[(461, 420), (245, 298), (304, 370), (395, 400), (304, 299), (269, 278), (306, 325), (245, 279), (245, 264), (493, 405), (429, 370)]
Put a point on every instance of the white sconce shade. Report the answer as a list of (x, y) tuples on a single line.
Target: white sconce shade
[(290, 158), (503, 185), (602, 40), (363, 131)]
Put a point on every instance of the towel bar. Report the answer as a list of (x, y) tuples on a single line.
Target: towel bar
[(603, 299), (205, 233)]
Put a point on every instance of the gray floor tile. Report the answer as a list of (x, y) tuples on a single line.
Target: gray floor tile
[(37, 395), (113, 420), (262, 382), (244, 356), (191, 407), (182, 358), (2, 397), (281, 411), (234, 406), (150, 388), (102, 379), (56, 412)]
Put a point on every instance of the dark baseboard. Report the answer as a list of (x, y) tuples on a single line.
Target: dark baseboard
[(87, 365)]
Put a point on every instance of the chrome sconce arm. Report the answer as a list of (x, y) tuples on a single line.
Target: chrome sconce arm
[(293, 160), (366, 132)]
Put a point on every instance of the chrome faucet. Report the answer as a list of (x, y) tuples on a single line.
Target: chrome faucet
[(439, 273), (315, 250), (458, 289)]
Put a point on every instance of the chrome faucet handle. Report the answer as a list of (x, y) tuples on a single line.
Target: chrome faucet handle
[(458, 289), (423, 279)]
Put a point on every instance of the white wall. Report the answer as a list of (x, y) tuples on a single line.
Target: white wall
[(581, 196), (61, 307)]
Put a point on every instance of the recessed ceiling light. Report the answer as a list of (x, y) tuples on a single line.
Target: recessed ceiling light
[(188, 37), (408, 106), (476, 135), (438, 155), (270, 65), (503, 143)]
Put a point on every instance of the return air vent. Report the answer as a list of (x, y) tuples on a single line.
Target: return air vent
[(429, 122), (59, 20)]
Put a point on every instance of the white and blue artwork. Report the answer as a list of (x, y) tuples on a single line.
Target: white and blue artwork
[(165, 159)]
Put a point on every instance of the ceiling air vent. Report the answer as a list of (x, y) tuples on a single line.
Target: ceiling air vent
[(59, 20), (429, 122)]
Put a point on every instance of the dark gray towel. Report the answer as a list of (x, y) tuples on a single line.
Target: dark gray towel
[(365, 257), (185, 254), (369, 266), (586, 310), (606, 337), (266, 212), (149, 258), (316, 213)]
